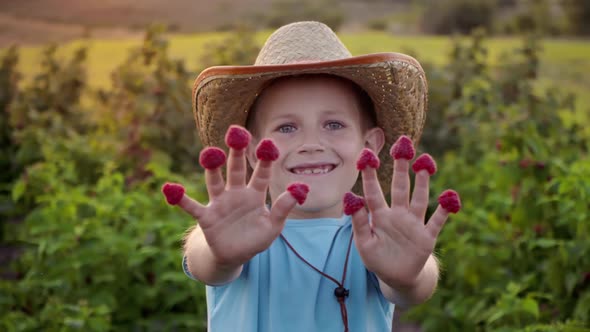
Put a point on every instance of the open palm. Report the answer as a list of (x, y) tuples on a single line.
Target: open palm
[(236, 223), (396, 242)]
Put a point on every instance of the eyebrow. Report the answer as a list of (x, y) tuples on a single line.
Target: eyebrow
[(295, 116), (289, 116), (332, 112)]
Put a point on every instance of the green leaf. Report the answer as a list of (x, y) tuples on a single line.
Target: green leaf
[(531, 306), (18, 190), (498, 314)]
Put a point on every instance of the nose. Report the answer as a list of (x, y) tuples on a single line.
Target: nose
[(310, 148), (311, 143)]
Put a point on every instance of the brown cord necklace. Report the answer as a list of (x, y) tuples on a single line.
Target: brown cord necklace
[(340, 292)]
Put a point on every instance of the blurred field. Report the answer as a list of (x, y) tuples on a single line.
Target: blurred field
[(83, 168), (40, 21), (563, 62)]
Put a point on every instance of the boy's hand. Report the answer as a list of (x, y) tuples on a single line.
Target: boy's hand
[(236, 223), (396, 244)]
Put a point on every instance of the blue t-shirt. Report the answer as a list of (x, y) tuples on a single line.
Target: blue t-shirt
[(277, 291)]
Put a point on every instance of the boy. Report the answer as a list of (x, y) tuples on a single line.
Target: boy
[(316, 118)]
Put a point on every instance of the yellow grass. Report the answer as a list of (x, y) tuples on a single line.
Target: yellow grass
[(563, 62)]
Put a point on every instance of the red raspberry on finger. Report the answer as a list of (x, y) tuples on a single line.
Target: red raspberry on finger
[(298, 191), (426, 162), (450, 201), (237, 137), (212, 158), (367, 158), (403, 148), (352, 203), (267, 150), (173, 192)]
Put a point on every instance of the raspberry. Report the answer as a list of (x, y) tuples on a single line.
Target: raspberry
[(450, 201), (298, 191), (352, 203), (212, 158), (426, 162), (539, 229), (367, 158), (403, 148), (173, 192), (237, 137), (267, 150), (499, 145)]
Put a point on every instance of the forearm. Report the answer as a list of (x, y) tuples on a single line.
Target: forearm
[(417, 293), (202, 264)]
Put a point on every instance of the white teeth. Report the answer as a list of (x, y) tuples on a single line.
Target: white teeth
[(318, 170)]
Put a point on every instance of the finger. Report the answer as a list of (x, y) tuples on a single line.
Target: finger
[(400, 184), (368, 163), (419, 203), (191, 206), (424, 167), (266, 152), (299, 191), (449, 202), (281, 208), (236, 169), (361, 226), (437, 221), (175, 195), (237, 139), (402, 152), (352, 203), (212, 159)]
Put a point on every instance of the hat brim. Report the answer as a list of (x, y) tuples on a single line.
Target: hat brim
[(396, 83)]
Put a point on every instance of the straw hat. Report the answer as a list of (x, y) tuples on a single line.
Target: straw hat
[(395, 82)]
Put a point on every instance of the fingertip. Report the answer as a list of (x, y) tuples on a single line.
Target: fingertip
[(352, 203), (299, 191), (173, 192), (367, 158), (403, 148), (450, 201), (212, 157), (267, 150), (237, 137), (424, 162)]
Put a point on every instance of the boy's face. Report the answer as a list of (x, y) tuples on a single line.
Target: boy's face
[(318, 127)]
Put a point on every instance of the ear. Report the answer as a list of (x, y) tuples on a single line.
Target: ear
[(375, 139)]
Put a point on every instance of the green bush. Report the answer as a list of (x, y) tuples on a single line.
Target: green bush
[(148, 109), (378, 24), (516, 258), (100, 257), (99, 250), (578, 13), (10, 170), (284, 12), (450, 16), (531, 17), (238, 48)]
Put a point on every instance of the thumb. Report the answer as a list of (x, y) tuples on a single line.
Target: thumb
[(175, 195), (296, 193)]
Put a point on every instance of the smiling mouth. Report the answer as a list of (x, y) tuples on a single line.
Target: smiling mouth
[(312, 170)]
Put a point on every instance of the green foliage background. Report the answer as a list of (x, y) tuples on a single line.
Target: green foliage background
[(92, 246)]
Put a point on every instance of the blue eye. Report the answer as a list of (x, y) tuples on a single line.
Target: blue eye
[(287, 128), (333, 125)]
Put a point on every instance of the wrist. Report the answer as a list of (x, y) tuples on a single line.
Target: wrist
[(205, 265), (410, 292)]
